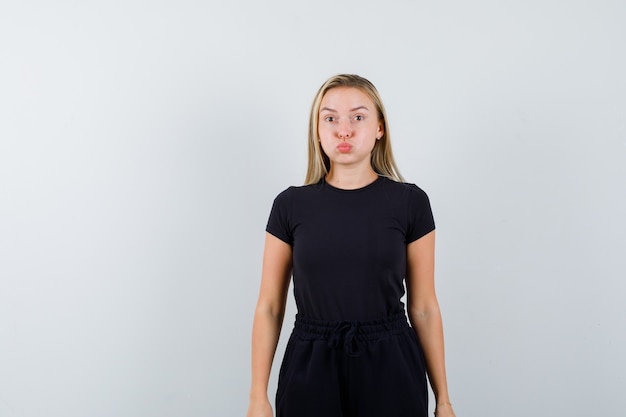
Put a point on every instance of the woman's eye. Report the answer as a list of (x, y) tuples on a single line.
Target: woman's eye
[(329, 119), (358, 117)]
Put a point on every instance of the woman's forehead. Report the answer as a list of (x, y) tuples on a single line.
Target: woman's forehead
[(341, 98)]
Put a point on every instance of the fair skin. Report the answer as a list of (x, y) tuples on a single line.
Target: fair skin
[(348, 129)]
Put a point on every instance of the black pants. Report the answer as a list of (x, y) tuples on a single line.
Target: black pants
[(352, 369)]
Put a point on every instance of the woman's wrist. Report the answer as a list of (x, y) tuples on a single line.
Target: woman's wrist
[(258, 394)]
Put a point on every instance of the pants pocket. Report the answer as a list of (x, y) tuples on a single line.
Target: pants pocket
[(283, 374)]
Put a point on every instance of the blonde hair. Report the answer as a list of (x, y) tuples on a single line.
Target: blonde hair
[(382, 157)]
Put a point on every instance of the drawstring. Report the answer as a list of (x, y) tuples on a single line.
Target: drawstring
[(346, 330)]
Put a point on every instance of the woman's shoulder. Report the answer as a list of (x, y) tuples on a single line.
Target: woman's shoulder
[(408, 188), (296, 191)]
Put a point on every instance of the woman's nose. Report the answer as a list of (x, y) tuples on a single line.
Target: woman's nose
[(344, 129)]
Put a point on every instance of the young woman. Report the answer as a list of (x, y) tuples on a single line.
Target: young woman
[(350, 237)]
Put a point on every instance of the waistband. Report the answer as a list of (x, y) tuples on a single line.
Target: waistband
[(349, 333)]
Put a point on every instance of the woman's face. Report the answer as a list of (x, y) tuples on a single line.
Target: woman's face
[(348, 126)]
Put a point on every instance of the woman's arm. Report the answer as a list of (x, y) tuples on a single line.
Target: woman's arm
[(425, 316), (268, 319)]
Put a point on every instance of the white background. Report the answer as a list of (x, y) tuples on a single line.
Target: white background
[(142, 144)]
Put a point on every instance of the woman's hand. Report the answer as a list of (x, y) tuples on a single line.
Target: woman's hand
[(259, 408), (444, 410)]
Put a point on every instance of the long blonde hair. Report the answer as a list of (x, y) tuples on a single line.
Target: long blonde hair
[(382, 157)]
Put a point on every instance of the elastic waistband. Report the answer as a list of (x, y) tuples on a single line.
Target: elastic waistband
[(349, 335), (311, 329)]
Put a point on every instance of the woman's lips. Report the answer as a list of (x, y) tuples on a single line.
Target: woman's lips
[(344, 147)]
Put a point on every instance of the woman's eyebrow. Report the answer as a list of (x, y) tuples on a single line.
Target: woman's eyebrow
[(335, 111)]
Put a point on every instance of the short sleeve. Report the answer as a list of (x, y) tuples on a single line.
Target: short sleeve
[(421, 220), (279, 222)]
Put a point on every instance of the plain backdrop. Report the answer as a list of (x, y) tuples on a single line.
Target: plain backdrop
[(143, 142)]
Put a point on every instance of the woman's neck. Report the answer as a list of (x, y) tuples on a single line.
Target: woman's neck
[(350, 179)]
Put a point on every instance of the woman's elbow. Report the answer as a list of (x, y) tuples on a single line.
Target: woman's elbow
[(423, 310)]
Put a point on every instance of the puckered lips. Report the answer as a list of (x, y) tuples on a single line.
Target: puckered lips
[(344, 147)]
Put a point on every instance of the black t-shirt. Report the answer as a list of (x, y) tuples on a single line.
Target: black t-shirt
[(349, 246)]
